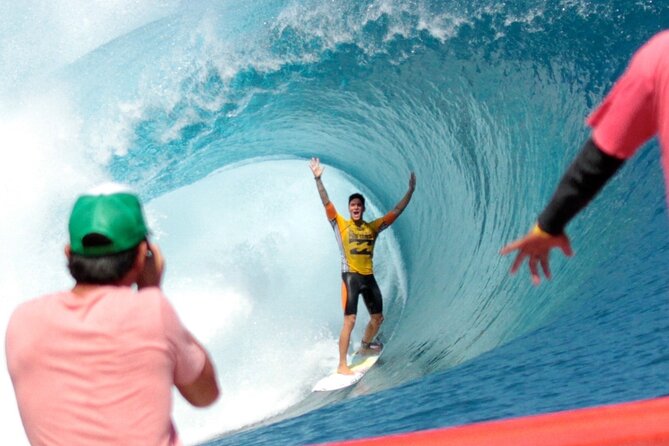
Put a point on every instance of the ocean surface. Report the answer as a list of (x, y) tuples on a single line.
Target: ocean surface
[(211, 111)]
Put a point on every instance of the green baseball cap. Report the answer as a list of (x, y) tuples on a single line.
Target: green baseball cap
[(106, 220)]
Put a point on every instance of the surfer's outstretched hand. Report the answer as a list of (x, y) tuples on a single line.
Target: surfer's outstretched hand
[(316, 168), (536, 246)]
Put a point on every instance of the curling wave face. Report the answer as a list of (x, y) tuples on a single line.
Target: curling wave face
[(212, 110)]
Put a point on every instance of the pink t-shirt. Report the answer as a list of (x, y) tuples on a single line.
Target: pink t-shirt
[(99, 369), (637, 107)]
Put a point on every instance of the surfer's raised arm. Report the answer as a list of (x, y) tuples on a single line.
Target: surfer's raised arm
[(317, 169), (399, 207)]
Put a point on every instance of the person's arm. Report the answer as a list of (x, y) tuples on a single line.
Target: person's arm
[(317, 170), (584, 178), (204, 390), (193, 371), (399, 207)]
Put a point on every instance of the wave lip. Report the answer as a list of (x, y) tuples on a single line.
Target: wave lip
[(484, 102)]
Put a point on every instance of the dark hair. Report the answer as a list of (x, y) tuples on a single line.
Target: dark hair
[(103, 270), (358, 196)]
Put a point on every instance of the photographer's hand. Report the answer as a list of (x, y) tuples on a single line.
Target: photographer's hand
[(154, 265)]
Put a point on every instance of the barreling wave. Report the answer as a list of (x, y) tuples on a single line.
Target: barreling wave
[(212, 110)]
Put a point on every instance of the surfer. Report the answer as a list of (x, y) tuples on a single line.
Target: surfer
[(635, 110), (96, 364), (356, 239)]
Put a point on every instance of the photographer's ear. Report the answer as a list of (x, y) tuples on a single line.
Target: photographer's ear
[(68, 251), (151, 263)]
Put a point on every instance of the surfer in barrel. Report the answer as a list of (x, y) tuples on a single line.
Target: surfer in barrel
[(635, 110), (356, 238)]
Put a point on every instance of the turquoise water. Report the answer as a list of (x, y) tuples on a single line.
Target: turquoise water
[(211, 111)]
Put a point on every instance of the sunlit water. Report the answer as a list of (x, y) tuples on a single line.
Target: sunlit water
[(211, 111)]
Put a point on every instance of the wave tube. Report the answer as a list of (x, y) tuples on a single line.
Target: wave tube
[(485, 102)]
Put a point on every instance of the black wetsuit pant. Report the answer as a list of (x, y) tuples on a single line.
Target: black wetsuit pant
[(353, 286)]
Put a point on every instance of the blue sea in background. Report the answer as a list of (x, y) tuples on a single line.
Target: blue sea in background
[(211, 110)]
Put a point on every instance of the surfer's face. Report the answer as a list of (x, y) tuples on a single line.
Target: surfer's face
[(356, 208)]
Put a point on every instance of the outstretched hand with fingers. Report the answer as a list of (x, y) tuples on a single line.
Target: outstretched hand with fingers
[(316, 168), (536, 246)]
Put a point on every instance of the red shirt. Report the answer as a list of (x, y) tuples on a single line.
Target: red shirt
[(637, 107), (99, 369)]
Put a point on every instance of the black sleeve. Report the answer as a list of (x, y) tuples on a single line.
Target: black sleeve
[(584, 178)]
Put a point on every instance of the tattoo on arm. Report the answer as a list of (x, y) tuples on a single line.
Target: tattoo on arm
[(322, 192)]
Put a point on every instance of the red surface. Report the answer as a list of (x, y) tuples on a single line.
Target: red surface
[(636, 423)]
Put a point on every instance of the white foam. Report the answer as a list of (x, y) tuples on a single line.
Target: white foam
[(109, 188), (40, 36)]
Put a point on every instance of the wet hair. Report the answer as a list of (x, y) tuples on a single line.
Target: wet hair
[(358, 196), (101, 270)]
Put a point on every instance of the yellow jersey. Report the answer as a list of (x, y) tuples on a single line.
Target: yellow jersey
[(356, 242)]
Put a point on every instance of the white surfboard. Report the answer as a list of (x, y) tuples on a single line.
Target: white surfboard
[(360, 364)]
